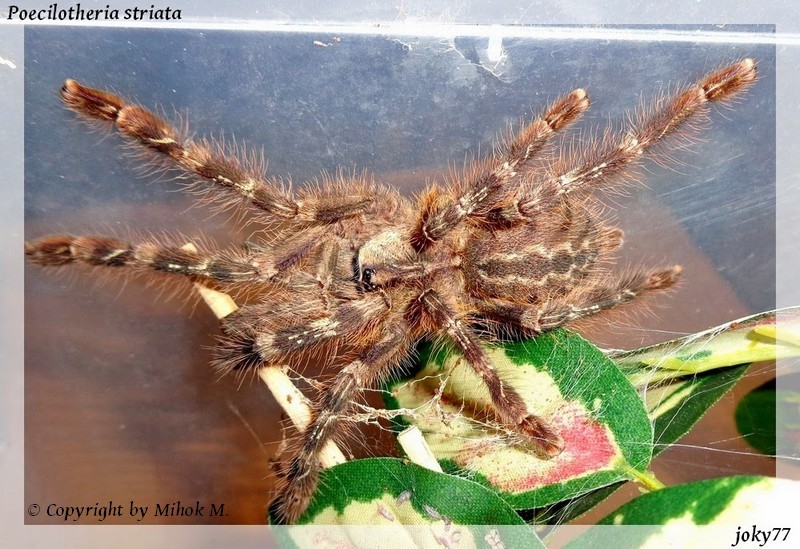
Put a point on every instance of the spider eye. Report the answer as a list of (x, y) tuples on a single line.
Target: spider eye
[(366, 278)]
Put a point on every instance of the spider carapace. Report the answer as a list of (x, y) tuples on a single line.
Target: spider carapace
[(353, 270)]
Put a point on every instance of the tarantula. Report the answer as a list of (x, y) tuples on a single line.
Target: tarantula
[(360, 273)]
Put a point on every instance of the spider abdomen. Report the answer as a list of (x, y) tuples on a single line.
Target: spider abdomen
[(534, 263)]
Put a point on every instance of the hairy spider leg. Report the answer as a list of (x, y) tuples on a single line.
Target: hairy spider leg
[(605, 162), (208, 159), (273, 333), (607, 297), (251, 265), (535, 319), (104, 251), (330, 412), (225, 267), (478, 193), (508, 405)]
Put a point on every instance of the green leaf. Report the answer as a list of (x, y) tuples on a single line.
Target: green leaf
[(422, 508), (765, 336), (562, 378), (681, 379), (567, 510), (758, 411), (755, 418), (697, 502), (676, 408), (788, 414), (682, 514), (692, 373), (736, 502)]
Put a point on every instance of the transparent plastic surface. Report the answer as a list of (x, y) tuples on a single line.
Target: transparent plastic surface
[(120, 401)]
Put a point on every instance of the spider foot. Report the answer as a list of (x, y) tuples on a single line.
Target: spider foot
[(541, 435)]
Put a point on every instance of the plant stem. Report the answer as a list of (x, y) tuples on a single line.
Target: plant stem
[(646, 479)]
